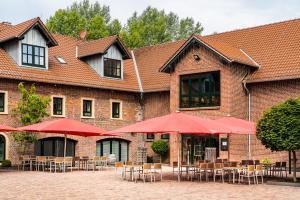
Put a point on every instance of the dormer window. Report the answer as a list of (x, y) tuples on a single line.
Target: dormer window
[(33, 55), (112, 68)]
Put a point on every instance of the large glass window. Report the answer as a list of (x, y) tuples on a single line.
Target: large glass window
[(54, 146), (2, 101), (112, 68), (58, 106), (87, 108), (33, 55), (116, 106), (2, 147), (113, 146), (200, 90)]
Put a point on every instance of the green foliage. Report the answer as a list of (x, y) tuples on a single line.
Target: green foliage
[(266, 161), (5, 163), (155, 26), (84, 16), (149, 159), (31, 109), (160, 147), (279, 127)]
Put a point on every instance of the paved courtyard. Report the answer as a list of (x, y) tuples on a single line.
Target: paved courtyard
[(109, 185)]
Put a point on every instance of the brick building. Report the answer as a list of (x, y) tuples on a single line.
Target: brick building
[(239, 73)]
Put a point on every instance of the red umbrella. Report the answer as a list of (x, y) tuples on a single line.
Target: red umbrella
[(175, 123), (238, 126), (4, 128), (67, 127)]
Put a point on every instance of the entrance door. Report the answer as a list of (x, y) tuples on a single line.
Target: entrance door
[(193, 147), (2, 147)]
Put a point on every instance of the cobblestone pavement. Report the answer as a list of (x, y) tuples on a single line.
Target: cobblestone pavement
[(109, 185)]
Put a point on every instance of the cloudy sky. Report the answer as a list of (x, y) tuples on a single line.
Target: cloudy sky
[(215, 15)]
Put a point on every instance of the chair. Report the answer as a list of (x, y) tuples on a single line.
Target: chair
[(209, 169), (233, 164), (249, 172), (201, 170), (128, 168), (276, 168), (257, 162), (76, 162), (23, 161), (94, 162), (175, 166), (283, 168), (219, 161), (259, 172), (119, 165), (250, 162), (157, 170), (103, 161), (218, 171), (68, 163), (244, 162), (146, 172), (58, 162), (40, 160)]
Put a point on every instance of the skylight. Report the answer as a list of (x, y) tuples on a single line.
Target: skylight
[(61, 60)]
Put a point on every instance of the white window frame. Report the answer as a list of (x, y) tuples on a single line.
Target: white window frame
[(63, 107), (121, 109), (5, 102), (93, 108)]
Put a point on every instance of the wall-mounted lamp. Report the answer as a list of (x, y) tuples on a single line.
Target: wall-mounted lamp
[(196, 57)]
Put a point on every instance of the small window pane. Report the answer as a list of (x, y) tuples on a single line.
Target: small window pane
[(112, 68), (29, 49), (2, 102), (87, 108), (58, 106), (36, 60), (115, 110), (150, 136), (29, 61), (42, 51), (24, 48), (36, 51), (165, 136), (42, 61), (24, 56)]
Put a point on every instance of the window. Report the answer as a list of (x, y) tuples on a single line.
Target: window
[(118, 147), (54, 146), (33, 55), (165, 136), (150, 136), (87, 108), (200, 90), (3, 102), (58, 106), (116, 110), (112, 68)]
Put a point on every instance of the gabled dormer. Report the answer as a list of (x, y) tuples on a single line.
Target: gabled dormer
[(27, 43), (106, 56)]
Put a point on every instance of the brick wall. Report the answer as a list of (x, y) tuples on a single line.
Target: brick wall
[(85, 146)]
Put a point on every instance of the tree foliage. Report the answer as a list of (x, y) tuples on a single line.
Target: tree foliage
[(155, 26), (279, 128), (31, 109), (160, 147), (151, 27)]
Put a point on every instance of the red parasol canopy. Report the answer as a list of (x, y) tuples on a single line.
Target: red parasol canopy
[(176, 123), (238, 126), (4, 128), (65, 126)]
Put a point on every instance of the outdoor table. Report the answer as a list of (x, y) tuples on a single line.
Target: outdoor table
[(132, 169), (84, 162), (234, 170), (187, 169)]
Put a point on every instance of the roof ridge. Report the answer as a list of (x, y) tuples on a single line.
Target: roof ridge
[(160, 44), (254, 27)]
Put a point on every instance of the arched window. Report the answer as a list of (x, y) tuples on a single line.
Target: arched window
[(2, 147), (119, 147), (54, 146)]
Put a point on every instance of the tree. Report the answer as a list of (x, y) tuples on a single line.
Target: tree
[(93, 18), (279, 128), (155, 26), (160, 147), (31, 109)]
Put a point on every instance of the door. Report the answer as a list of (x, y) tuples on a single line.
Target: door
[(2, 147)]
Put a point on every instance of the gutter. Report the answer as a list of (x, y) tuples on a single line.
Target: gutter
[(137, 72), (249, 112)]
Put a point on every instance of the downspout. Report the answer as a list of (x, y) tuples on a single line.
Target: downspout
[(249, 113)]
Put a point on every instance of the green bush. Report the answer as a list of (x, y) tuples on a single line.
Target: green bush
[(266, 161), (160, 147), (149, 159), (6, 163)]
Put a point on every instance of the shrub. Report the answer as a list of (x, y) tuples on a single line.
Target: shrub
[(6, 163), (160, 147)]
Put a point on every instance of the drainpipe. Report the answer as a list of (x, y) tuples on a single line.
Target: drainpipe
[(249, 114)]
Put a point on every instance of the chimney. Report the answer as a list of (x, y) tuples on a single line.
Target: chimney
[(82, 34)]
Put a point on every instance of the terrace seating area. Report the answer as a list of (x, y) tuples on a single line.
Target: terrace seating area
[(61, 164)]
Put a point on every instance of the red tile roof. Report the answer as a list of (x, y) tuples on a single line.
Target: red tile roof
[(276, 47)]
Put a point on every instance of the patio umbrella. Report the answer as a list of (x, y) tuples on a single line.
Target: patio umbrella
[(238, 126), (4, 128), (175, 123), (67, 127)]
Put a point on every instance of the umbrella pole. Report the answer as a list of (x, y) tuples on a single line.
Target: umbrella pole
[(178, 154), (65, 146)]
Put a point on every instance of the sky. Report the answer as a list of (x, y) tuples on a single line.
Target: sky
[(214, 15)]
